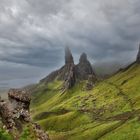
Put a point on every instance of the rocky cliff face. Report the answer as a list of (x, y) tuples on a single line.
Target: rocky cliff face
[(15, 113), (70, 78), (138, 56), (84, 68), (6, 113), (20, 102), (19, 98), (71, 73), (63, 72), (68, 57)]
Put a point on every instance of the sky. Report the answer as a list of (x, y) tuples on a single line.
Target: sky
[(34, 33)]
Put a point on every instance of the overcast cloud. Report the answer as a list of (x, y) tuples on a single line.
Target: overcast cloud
[(33, 34)]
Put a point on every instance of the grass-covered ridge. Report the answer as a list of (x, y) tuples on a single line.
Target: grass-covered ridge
[(111, 109)]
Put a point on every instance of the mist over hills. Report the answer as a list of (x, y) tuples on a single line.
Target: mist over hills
[(108, 68)]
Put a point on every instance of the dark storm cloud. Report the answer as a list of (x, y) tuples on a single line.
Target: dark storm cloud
[(34, 56), (33, 33)]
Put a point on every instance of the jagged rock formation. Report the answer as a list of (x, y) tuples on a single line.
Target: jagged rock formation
[(71, 73), (138, 56), (70, 78), (6, 113), (84, 68), (15, 113), (63, 72), (20, 98), (20, 101), (68, 57), (67, 73)]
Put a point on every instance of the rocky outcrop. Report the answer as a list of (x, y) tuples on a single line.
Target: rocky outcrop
[(15, 113), (70, 78), (19, 95), (67, 73), (19, 98), (20, 102), (63, 72), (84, 68), (6, 114), (40, 134), (138, 56), (68, 57), (71, 73)]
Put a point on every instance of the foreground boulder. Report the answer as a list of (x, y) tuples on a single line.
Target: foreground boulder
[(64, 71), (20, 101), (19, 98), (15, 114), (6, 113)]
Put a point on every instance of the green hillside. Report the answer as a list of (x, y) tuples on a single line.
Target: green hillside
[(111, 110)]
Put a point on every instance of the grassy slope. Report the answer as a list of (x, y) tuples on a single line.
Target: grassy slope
[(110, 110)]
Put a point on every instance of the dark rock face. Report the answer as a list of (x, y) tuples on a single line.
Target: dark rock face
[(17, 108), (83, 58), (65, 73), (6, 113), (20, 97), (84, 68), (138, 56), (62, 73), (68, 56), (70, 78)]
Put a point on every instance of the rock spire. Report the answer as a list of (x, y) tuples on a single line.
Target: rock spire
[(68, 56), (138, 56), (71, 73), (84, 68)]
